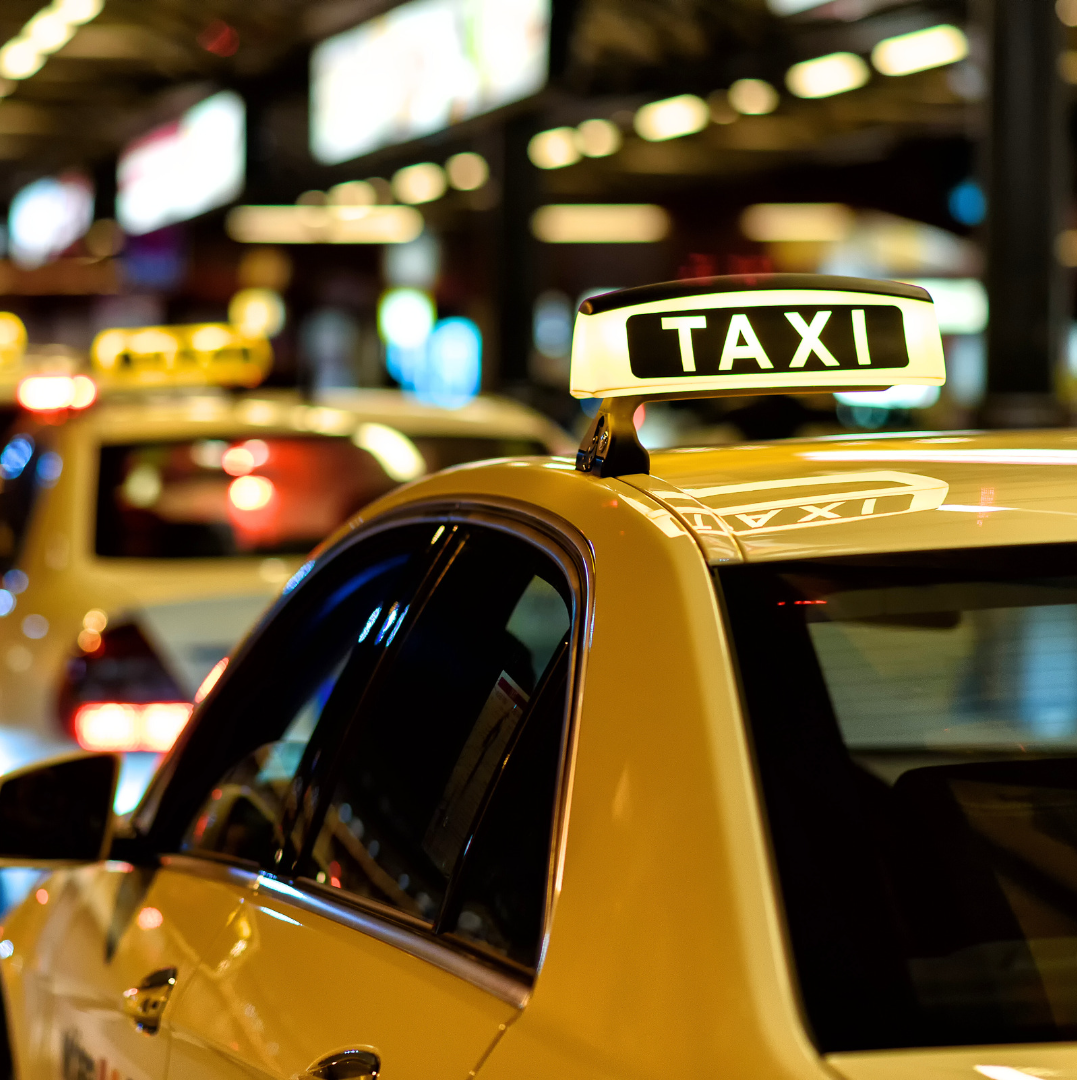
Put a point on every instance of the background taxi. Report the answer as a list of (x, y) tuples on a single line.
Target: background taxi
[(482, 798), (143, 535)]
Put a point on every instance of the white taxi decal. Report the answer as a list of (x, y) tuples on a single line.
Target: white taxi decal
[(821, 500)]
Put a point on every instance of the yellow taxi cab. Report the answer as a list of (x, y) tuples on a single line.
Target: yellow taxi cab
[(758, 762), (143, 531)]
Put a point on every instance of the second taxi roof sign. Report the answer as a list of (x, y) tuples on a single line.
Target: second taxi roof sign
[(758, 334)]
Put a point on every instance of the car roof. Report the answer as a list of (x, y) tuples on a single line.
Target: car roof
[(871, 494), (146, 414)]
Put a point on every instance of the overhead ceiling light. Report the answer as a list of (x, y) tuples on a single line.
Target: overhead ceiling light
[(827, 75), (598, 223), (467, 171), (324, 224), (19, 59), (598, 138), (554, 149), (793, 7), (920, 50), (352, 193), (48, 31), (783, 222), (78, 11), (753, 97), (671, 118), (420, 183)]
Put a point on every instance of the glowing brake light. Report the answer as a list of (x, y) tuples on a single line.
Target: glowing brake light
[(250, 492), (124, 726), (47, 393)]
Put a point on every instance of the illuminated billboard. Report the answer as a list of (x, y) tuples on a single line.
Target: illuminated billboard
[(185, 168), (421, 67), (48, 216)]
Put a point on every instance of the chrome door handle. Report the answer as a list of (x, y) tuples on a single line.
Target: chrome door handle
[(145, 1003), (356, 1064)]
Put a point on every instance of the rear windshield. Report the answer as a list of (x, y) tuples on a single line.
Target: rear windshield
[(276, 495), (915, 729)]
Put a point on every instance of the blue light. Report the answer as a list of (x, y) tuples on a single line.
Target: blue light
[(49, 467), (298, 576), (16, 456), (7, 603), (370, 623), (452, 374), (15, 581), (967, 203)]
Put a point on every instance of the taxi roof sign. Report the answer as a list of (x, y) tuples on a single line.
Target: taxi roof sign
[(200, 354), (766, 333), (743, 334)]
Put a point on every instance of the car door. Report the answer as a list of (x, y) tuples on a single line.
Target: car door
[(116, 944), (404, 934), (114, 940)]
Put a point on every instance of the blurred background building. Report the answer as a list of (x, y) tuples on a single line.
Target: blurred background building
[(421, 193)]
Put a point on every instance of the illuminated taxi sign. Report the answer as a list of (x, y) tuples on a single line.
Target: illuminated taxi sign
[(773, 333), (201, 354)]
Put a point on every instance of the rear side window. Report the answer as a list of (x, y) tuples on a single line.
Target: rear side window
[(212, 498), (235, 790), (442, 800), (914, 719)]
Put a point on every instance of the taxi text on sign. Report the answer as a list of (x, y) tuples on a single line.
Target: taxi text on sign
[(759, 340)]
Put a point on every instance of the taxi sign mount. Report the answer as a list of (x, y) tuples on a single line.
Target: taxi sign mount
[(738, 335)]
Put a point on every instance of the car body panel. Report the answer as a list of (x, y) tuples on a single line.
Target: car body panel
[(955, 490), (101, 931), (666, 950), (242, 1013)]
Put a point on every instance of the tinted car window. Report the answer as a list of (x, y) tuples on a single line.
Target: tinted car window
[(915, 725), (241, 774), (497, 904), (272, 495), (433, 734)]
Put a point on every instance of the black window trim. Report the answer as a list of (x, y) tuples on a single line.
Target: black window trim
[(570, 552)]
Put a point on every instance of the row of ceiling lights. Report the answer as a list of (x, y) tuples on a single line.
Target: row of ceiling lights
[(49, 30), (414, 184), (685, 114)]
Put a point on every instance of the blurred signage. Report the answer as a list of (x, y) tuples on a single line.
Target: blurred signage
[(185, 168), (48, 216), (201, 354), (421, 67)]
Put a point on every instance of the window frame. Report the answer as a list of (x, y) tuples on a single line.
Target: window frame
[(569, 551)]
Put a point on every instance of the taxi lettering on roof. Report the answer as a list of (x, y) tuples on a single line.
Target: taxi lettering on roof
[(765, 339), (200, 354), (774, 333)]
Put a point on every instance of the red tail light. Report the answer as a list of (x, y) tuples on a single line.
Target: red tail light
[(49, 393), (124, 726)]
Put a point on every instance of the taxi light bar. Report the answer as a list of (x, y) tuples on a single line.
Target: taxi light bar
[(201, 354), (12, 339), (738, 335), (115, 726), (50, 393)]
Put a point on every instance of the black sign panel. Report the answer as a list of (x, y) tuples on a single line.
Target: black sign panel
[(774, 340)]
